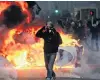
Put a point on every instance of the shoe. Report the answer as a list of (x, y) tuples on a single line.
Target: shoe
[(53, 78), (48, 78), (53, 74)]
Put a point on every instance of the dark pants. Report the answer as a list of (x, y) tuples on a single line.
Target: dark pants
[(49, 62), (94, 39), (95, 36)]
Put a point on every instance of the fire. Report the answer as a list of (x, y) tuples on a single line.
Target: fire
[(25, 55), (10, 37), (68, 40), (24, 6), (21, 47), (4, 5)]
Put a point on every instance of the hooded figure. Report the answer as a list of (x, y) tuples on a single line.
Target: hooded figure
[(52, 40)]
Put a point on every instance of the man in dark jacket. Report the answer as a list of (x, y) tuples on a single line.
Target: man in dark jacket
[(52, 40), (94, 29)]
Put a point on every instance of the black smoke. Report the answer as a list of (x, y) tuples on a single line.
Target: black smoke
[(31, 3), (13, 16)]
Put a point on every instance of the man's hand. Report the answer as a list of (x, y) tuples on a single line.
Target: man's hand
[(44, 30)]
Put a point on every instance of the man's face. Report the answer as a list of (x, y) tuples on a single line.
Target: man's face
[(49, 24)]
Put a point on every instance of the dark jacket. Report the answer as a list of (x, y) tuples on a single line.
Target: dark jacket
[(52, 40), (93, 30)]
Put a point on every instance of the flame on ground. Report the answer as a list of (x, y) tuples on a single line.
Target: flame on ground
[(28, 55)]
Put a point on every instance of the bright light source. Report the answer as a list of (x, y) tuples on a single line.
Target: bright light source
[(56, 11)]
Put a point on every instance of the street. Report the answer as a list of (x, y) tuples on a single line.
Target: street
[(57, 79)]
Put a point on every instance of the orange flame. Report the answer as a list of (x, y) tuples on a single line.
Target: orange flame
[(4, 5), (14, 45), (30, 55), (22, 4), (24, 7)]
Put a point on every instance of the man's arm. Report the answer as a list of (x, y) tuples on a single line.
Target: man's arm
[(40, 33)]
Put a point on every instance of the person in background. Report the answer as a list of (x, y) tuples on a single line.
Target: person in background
[(94, 29), (52, 40), (80, 30)]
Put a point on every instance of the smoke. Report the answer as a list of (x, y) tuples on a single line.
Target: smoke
[(7, 73), (31, 3), (86, 70), (13, 16), (25, 38)]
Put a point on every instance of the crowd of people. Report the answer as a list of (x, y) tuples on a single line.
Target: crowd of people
[(82, 29)]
